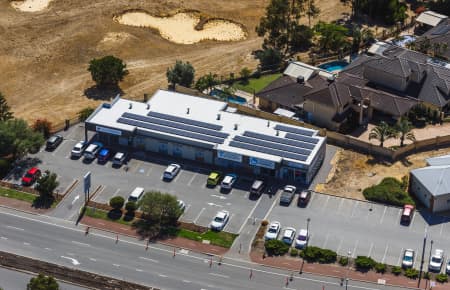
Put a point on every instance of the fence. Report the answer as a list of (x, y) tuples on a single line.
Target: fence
[(64, 125)]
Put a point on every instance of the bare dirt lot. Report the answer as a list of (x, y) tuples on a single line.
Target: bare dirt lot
[(44, 55), (353, 171)]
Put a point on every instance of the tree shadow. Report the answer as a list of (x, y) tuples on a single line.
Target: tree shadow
[(43, 202), (129, 216), (102, 93), (115, 214)]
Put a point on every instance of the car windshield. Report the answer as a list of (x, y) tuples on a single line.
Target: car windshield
[(273, 230), (301, 238), (407, 258), (218, 219), (29, 175), (76, 148), (436, 260)]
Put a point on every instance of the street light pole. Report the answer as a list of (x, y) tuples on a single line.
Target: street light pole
[(307, 231)]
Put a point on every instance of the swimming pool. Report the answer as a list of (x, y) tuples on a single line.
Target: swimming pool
[(404, 40), (232, 99), (334, 66)]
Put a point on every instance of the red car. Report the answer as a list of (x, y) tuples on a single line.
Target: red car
[(31, 176), (407, 214)]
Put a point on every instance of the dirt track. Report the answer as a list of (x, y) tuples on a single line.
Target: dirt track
[(44, 55)]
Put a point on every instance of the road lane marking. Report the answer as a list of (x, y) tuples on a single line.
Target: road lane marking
[(26, 244), (219, 275), (15, 228), (139, 270), (385, 252), (48, 249), (80, 243), (161, 275), (198, 216), (116, 265), (93, 260), (72, 260), (192, 179), (186, 281), (4, 238), (148, 259), (384, 212)]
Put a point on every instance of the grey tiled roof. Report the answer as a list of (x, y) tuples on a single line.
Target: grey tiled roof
[(440, 34)]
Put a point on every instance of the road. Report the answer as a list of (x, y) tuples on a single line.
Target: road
[(12, 280), (61, 242)]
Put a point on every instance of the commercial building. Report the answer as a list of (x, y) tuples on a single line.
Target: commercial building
[(210, 132)]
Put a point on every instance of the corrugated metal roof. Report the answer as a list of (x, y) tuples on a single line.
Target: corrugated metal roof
[(439, 160), (296, 69), (436, 179), (431, 18)]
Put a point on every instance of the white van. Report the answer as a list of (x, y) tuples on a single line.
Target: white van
[(136, 195)]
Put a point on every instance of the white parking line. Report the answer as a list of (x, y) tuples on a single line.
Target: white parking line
[(340, 205), (385, 252), (192, 179), (326, 241), (178, 176), (354, 249), (198, 216), (370, 250), (326, 202), (353, 209), (116, 192), (185, 210), (59, 147), (442, 227), (149, 170), (400, 257), (384, 212), (340, 244), (228, 222), (412, 222)]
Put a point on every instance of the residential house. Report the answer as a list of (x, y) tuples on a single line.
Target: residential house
[(429, 19), (439, 38)]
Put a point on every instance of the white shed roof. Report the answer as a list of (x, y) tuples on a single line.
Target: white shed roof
[(431, 18), (296, 69), (378, 47), (439, 160), (436, 179)]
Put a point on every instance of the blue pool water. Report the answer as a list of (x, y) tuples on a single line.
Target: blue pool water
[(334, 66), (404, 40), (232, 99)]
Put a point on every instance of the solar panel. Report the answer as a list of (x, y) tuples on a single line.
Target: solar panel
[(269, 151), (277, 146), (185, 121), (302, 138), (171, 130), (175, 125), (279, 140), (294, 130)]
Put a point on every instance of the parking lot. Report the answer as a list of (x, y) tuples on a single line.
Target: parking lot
[(364, 228)]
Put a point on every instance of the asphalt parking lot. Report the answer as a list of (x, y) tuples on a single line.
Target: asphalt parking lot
[(364, 228)]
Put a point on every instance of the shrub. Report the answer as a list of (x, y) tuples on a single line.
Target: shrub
[(388, 191), (294, 252), (276, 247), (4, 167), (131, 206), (264, 223), (380, 267), (427, 275), (442, 278), (343, 261), (396, 270), (364, 263), (116, 202), (412, 273), (316, 254), (44, 126)]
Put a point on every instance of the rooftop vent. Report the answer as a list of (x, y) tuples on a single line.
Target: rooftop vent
[(277, 133), (188, 110), (218, 117), (300, 80), (148, 106), (235, 126), (268, 123), (130, 106)]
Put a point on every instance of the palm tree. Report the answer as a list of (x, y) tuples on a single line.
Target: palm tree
[(404, 128), (382, 132)]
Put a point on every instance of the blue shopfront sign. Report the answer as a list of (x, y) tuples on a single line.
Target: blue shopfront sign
[(261, 163), (295, 165), (229, 156), (108, 130)]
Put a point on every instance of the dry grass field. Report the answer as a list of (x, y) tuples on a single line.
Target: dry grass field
[(44, 54)]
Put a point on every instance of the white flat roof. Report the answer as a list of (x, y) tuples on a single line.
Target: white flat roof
[(431, 18), (168, 105)]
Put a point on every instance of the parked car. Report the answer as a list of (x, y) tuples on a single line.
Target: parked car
[(228, 181), (171, 171), (181, 205), (119, 159), (302, 239), (91, 151), (78, 149), (103, 155), (273, 230), (408, 258), (287, 195), (447, 267), (136, 194), (436, 261), (288, 236), (304, 198), (53, 142), (257, 188), (220, 220), (31, 176), (213, 178), (407, 214)]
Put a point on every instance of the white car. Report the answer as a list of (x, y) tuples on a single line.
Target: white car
[(436, 261), (220, 220), (181, 205), (302, 239), (78, 149), (272, 231), (171, 171), (228, 181), (288, 235), (447, 267), (119, 159), (408, 258)]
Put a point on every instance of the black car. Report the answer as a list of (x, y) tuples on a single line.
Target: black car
[(287, 195), (53, 142), (304, 198)]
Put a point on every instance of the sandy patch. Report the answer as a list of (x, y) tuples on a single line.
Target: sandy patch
[(180, 28), (112, 39), (30, 5)]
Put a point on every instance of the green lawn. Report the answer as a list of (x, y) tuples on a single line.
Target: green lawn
[(222, 239), (255, 85), (101, 214), (12, 193)]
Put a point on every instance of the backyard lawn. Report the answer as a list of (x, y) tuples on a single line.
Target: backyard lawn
[(256, 84)]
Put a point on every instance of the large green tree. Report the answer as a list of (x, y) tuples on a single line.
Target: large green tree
[(46, 186), (332, 37), (42, 282), (17, 138), (107, 71), (181, 73), (382, 132), (388, 11), (5, 109), (160, 212), (207, 82)]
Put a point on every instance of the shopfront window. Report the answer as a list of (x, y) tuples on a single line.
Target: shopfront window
[(162, 147)]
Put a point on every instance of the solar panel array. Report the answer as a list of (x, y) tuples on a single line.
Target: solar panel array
[(268, 144), (170, 130), (185, 121), (302, 138), (294, 130), (279, 140), (267, 150), (175, 125)]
